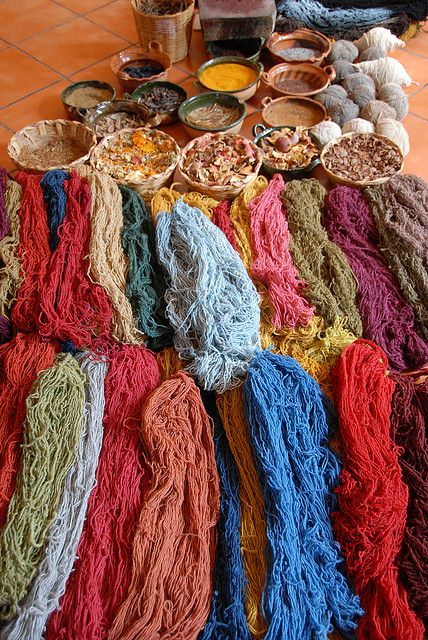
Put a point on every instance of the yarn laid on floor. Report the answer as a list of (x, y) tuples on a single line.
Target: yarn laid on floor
[(272, 264), (409, 418), (5, 330), (4, 222), (10, 266), (211, 302), (107, 261), (253, 520), (51, 436), (288, 420), (371, 518), (174, 546), (221, 218), (240, 218), (400, 209), (65, 531), (164, 199), (101, 574), (227, 614), (55, 198), (331, 285), (387, 318), (145, 282), (21, 360)]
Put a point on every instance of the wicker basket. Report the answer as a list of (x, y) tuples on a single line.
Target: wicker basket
[(40, 134), (173, 31), (358, 183), (148, 186), (153, 52), (218, 192)]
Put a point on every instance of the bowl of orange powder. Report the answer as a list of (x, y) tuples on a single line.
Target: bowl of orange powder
[(232, 75)]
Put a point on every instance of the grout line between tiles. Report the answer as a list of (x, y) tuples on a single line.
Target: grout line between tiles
[(416, 116), (87, 18), (84, 13), (69, 77), (32, 93), (5, 126), (43, 31), (40, 62)]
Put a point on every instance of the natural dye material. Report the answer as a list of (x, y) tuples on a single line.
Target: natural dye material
[(53, 185), (253, 520), (10, 267), (21, 360), (88, 96), (227, 604), (112, 122), (215, 116), (161, 99), (143, 69), (272, 263), (294, 86), (65, 531), (145, 282), (330, 284), (362, 157), (287, 149), (51, 436), (107, 262), (228, 76), (221, 218), (211, 302), (294, 54), (409, 417), (174, 544), (387, 318), (4, 223), (102, 572), (369, 531), (56, 152), (288, 421), (400, 212)]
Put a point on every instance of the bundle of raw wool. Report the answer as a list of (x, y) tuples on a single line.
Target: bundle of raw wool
[(400, 210), (170, 591), (379, 37), (343, 69), (395, 131), (393, 94), (376, 109), (65, 531), (331, 96), (370, 531), (52, 430), (331, 285), (326, 131), (342, 50), (386, 316), (211, 302), (359, 81), (344, 111), (10, 267), (372, 53), (384, 71), (288, 420)]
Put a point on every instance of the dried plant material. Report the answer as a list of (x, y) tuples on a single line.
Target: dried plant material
[(286, 149), (161, 99), (52, 152), (215, 116), (112, 122), (162, 7)]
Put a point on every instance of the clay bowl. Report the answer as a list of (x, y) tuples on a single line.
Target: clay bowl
[(244, 93), (292, 111), (132, 56), (301, 80), (206, 100), (145, 117), (306, 38)]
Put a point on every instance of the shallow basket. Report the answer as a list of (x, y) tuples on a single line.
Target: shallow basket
[(38, 134), (219, 192), (173, 31), (145, 187), (358, 183), (153, 52)]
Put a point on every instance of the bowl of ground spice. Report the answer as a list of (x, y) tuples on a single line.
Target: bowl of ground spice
[(298, 79), (78, 97), (212, 112), (232, 75), (161, 98), (136, 65), (303, 45)]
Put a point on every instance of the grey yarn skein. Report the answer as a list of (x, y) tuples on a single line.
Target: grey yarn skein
[(211, 302), (64, 534)]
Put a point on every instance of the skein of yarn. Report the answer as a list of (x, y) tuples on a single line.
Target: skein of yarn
[(362, 95), (21, 360), (370, 531), (384, 71), (240, 218), (394, 95), (173, 550), (145, 282), (10, 267), (211, 302), (331, 96), (343, 111), (65, 531), (55, 199), (376, 109), (395, 131), (272, 263), (4, 222), (343, 69), (379, 37), (342, 50), (372, 53), (221, 218), (409, 417), (360, 81), (164, 200), (102, 572), (387, 318), (51, 436), (288, 420), (326, 131), (227, 604), (331, 285), (358, 125)]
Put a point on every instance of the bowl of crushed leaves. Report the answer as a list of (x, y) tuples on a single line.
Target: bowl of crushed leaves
[(291, 151)]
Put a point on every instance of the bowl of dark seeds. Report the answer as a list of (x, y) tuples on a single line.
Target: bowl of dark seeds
[(136, 66), (162, 98), (303, 45)]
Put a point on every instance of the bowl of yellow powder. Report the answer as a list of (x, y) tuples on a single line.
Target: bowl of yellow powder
[(232, 75)]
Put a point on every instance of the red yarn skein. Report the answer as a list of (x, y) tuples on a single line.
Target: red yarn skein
[(221, 218)]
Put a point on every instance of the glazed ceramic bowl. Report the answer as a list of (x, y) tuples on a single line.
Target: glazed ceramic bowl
[(206, 100), (298, 79), (145, 117), (306, 38), (166, 117), (244, 93), (105, 90)]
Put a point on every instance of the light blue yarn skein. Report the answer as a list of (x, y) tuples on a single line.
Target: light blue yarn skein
[(212, 304)]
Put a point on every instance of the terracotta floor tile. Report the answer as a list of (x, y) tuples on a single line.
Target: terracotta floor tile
[(34, 16), (116, 17), (418, 134), (177, 75), (178, 132), (249, 122), (82, 6), (43, 105), (416, 67), (21, 75), (419, 44), (189, 86), (74, 45), (3, 44), (99, 71), (197, 54), (418, 102), (5, 161)]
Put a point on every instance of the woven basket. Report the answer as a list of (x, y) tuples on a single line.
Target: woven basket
[(218, 192), (38, 135), (145, 187), (173, 31)]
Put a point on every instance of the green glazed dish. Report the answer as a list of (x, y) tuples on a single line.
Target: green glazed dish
[(77, 112), (166, 117), (206, 100)]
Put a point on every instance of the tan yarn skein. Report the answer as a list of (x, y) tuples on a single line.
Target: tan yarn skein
[(10, 271)]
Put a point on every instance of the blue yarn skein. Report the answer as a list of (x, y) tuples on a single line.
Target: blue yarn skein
[(211, 302), (227, 620), (305, 590), (54, 196)]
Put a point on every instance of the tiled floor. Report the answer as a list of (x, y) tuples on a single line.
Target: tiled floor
[(46, 44)]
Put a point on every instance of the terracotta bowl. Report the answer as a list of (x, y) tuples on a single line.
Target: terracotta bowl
[(154, 53), (293, 111), (304, 79), (301, 38)]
